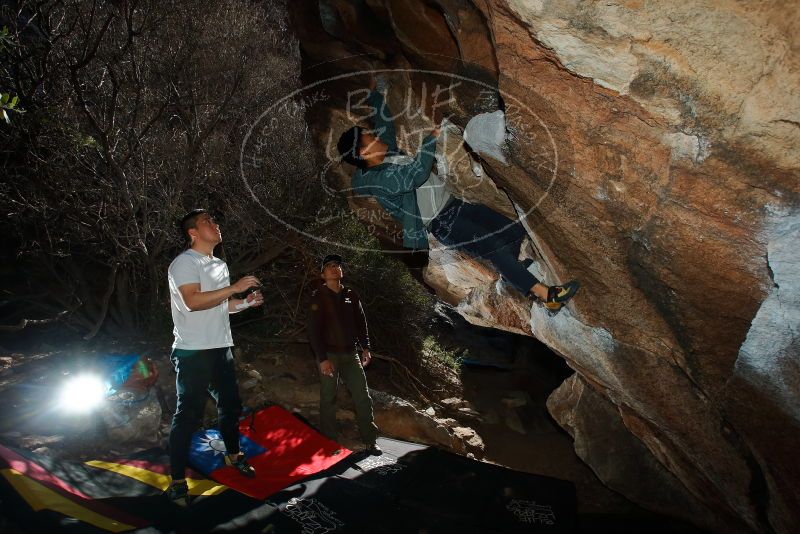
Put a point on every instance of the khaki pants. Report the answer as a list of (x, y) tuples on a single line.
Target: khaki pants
[(347, 366)]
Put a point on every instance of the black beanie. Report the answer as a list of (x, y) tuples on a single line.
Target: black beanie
[(348, 146)]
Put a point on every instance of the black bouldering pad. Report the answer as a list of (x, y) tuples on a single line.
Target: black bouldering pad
[(408, 488)]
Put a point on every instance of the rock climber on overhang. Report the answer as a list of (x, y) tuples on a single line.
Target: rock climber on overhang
[(408, 189)]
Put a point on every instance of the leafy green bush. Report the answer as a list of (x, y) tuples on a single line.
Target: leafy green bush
[(431, 348)]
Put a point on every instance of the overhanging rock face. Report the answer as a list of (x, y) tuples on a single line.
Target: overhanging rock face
[(653, 151)]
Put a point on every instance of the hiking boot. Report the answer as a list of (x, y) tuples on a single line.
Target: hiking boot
[(178, 493), (373, 450), (242, 465)]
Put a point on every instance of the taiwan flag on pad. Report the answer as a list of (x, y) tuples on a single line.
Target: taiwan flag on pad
[(281, 448), (207, 451)]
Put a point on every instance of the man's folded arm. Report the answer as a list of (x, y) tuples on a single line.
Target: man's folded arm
[(197, 300)]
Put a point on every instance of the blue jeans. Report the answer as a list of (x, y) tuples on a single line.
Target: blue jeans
[(484, 233), (203, 372)]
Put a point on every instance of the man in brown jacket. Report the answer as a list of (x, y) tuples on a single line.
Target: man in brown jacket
[(337, 330)]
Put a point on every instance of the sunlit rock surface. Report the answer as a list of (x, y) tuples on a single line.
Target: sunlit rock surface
[(653, 153), (473, 287), (396, 417)]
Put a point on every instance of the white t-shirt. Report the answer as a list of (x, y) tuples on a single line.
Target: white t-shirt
[(204, 329)]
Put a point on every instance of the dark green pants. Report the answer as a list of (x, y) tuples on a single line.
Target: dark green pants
[(347, 366)]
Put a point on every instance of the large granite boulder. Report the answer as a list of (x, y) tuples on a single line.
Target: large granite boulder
[(652, 153)]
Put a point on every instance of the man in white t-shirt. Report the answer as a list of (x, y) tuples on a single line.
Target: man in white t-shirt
[(201, 301)]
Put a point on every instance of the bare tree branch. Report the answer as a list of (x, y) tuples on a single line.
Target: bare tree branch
[(112, 279), (24, 323)]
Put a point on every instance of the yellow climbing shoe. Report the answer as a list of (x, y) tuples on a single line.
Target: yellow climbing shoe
[(558, 296)]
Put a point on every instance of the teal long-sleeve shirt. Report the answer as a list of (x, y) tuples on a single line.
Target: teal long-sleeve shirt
[(394, 186)]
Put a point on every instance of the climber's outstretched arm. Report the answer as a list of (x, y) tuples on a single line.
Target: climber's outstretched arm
[(382, 120)]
